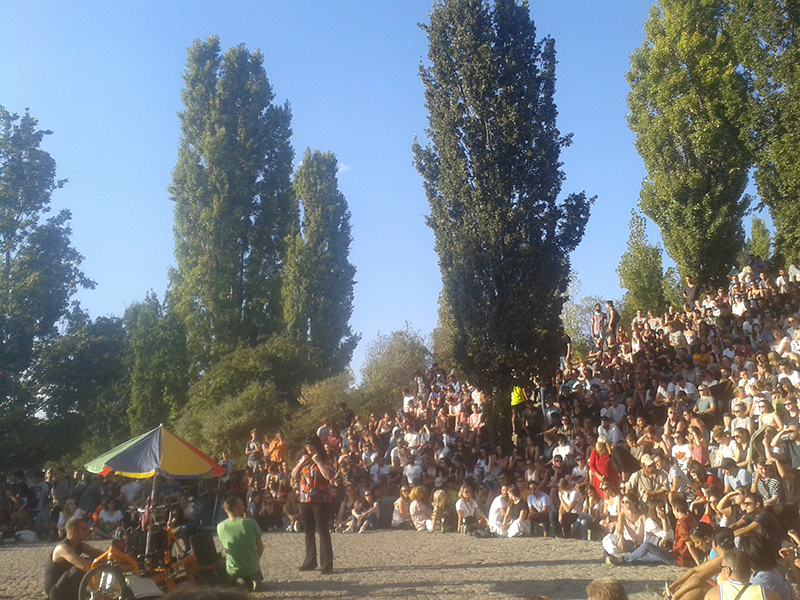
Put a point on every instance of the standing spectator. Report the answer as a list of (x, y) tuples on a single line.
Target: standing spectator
[(565, 356), (241, 538), (61, 489), (253, 451), (691, 292), (612, 318), (277, 449), (794, 271), (597, 327), (347, 416), (315, 472)]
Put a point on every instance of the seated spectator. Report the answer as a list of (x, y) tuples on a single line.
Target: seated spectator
[(109, 519), (629, 533), (401, 515), (291, 513), (365, 513), (69, 561), (70, 510), (515, 515), (570, 505), (444, 517), (419, 509), (497, 512), (470, 516)]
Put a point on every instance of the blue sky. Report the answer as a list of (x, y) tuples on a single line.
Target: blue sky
[(106, 79)]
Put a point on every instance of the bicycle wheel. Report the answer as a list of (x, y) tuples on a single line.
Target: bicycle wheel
[(103, 583), (180, 547)]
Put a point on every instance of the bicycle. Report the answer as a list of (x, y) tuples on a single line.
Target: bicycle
[(169, 558)]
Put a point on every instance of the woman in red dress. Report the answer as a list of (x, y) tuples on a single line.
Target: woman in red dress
[(601, 467)]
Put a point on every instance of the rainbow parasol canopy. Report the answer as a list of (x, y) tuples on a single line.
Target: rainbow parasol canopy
[(156, 452)]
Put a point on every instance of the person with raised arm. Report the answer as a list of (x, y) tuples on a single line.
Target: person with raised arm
[(314, 472)]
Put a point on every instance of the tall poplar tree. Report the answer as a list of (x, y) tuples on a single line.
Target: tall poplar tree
[(767, 34), (319, 278), (687, 104), (492, 176), (234, 204)]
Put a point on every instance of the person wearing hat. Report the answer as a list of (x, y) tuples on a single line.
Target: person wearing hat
[(648, 482)]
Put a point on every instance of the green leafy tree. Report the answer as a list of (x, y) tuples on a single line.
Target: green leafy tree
[(760, 241), (389, 366), (39, 274), (248, 388), (575, 317), (319, 278), (160, 370), (768, 46), (84, 387), (673, 288), (234, 204), (640, 270), (687, 105), (320, 401), (442, 337), (492, 177)]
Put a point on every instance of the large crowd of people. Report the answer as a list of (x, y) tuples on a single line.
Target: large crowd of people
[(673, 441)]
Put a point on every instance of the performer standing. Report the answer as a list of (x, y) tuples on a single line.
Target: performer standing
[(314, 471)]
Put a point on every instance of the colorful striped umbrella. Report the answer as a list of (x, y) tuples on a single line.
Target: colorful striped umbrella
[(156, 452)]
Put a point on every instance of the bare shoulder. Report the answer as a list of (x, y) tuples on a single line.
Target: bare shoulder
[(63, 551)]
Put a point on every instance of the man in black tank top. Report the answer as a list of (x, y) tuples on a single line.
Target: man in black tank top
[(67, 564)]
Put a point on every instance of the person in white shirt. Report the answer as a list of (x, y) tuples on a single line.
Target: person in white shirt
[(609, 430), (794, 271), (130, 491), (789, 373), (469, 513), (614, 409), (378, 469), (681, 451), (565, 450), (681, 385), (782, 281), (409, 401), (496, 511), (541, 509), (413, 471), (570, 505)]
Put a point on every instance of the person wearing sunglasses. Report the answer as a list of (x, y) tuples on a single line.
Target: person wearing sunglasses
[(734, 580), (757, 520)]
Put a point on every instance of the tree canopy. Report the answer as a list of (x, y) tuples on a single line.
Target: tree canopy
[(687, 105), (319, 278), (492, 176), (234, 205), (39, 276), (641, 271), (766, 36)]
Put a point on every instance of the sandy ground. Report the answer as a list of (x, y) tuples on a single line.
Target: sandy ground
[(403, 564)]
